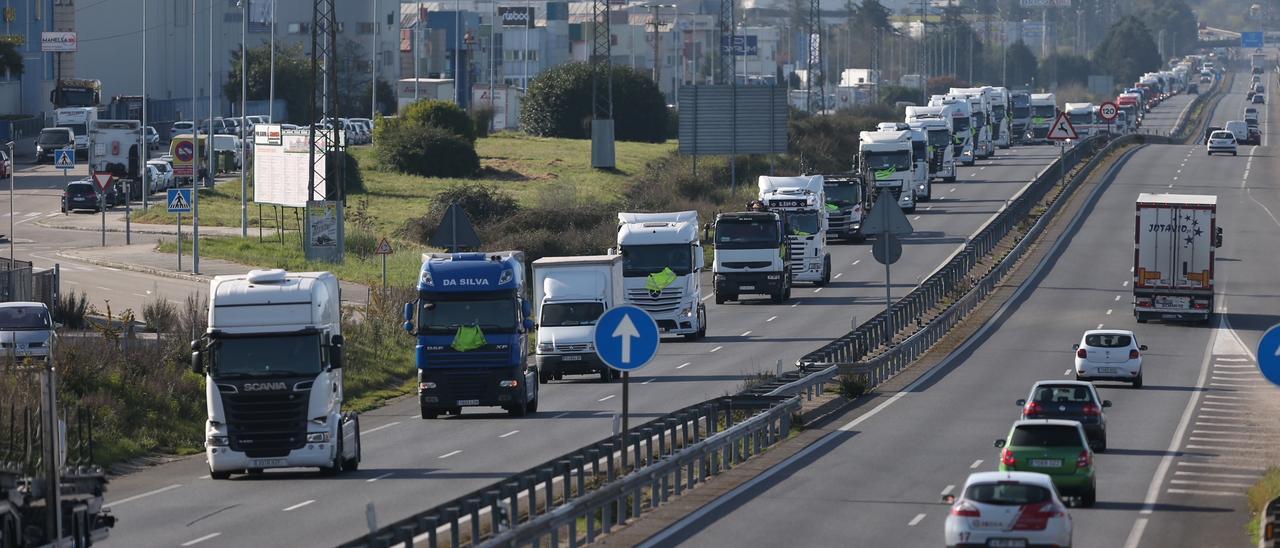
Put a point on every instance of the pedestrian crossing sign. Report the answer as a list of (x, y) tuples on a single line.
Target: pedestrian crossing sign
[(64, 158), (179, 200)]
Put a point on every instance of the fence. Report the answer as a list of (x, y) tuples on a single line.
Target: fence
[(19, 281)]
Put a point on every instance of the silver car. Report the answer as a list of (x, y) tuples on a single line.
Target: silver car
[(26, 330)]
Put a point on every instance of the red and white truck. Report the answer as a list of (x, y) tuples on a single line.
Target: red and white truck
[(1174, 242)]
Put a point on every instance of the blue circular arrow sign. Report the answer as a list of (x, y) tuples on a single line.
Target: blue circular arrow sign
[(1269, 354), (626, 338)]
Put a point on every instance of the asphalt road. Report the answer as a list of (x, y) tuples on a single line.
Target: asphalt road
[(410, 464), (1182, 450)]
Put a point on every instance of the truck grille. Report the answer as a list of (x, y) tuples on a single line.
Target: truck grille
[(665, 302), (481, 356), (935, 162), (839, 222), (267, 424), (796, 247), (576, 347), (467, 385), (746, 264)]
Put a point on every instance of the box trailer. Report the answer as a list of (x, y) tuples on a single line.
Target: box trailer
[(1175, 238)]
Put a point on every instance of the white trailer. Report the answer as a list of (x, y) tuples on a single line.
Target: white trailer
[(936, 121), (570, 293), (1174, 246)]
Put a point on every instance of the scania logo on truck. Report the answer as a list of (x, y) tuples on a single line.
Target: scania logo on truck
[(466, 281), (263, 386)]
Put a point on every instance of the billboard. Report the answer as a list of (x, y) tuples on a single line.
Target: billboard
[(724, 119), (516, 16), (1251, 40), (742, 45), (58, 42), (282, 165), (1046, 3)]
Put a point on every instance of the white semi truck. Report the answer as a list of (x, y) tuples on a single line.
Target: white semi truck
[(936, 121), (962, 126), (1001, 121), (751, 256), (662, 262), (1044, 109), (569, 294), (885, 159), (1083, 118), (803, 205), (1019, 115), (272, 360), (1174, 246)]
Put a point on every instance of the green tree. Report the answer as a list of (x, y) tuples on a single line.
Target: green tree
[(10, 59), (425, 150), (293, 79), (442, 114), (1020, 65), (1174, 18), (559, 104), (1127, 51), (1063, 69)]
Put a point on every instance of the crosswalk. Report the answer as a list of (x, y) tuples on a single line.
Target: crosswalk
[(1231, 439)]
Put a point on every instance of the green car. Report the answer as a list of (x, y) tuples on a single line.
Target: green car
[(1057, 448)]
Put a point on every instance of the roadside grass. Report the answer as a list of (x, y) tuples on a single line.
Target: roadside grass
[(523, 165), (1267, 488)]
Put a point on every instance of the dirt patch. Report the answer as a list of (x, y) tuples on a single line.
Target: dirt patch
[(502, 169)]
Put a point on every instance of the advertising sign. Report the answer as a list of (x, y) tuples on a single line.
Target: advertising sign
[(58, 42), (742, 45), (516, 16), (282, 165)]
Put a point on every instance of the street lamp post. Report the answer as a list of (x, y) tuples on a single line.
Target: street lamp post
[(244, 90), (11, 167), (271, 93)]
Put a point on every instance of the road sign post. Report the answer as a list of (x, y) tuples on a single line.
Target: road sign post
[(1269, 354), (384, 249), (103, 179), (886, 221), (626, 338), (1062, 131), (64, 159)]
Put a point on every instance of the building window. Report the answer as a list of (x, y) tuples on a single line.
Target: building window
[(365, 28), (299, 28)]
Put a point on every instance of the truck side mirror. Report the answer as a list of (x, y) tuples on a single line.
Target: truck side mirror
[(706, 231), (197, 363), (195, 345), (1217, 237), (528, 324), (335, 356), (336, 340), (408, 312)]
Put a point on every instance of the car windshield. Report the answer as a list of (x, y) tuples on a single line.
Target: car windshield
[(24, 317), (803, 223), (1006, 493), (643, 260), (1107, 340), (570, 314), (276, 355), (747, 234), (163, 167), (1045, 435), (1062, 394), (876, 161), (53, 138), (844, 194), (80, 189), (496, 314), (1044, 111)]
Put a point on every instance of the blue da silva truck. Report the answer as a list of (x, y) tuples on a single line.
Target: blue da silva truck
[(473, 318)]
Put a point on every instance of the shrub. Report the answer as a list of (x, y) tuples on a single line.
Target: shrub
[(442, 114), (559, 104), (852, 386), (160, 315), (352, 179), (70, 310), (427, 151), (483, 116)]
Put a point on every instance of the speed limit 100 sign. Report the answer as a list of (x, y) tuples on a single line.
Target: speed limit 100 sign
[(1108, 111)]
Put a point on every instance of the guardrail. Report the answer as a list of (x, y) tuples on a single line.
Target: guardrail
[(689, 435)]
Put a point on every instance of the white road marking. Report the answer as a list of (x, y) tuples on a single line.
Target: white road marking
[(1226, 366), (509, 434), (201, 539), (606, 398), (916, 218), (383, 476), (1199, 492), (144, 495), (647, 382), (1117, 297), (975, 464), (1208, 475), (771, 318), (916, 520), (1067, 372), (299, 505), (452, 453), (206, 476), (1236, 360), (795, 305), (709, 296), (1213, 465), (952, 189), (947, 490), (1109, 311), (561, 415), (1217, 397), (104, 288), (838, 275), (745, 333), (683, 365), (855, 263), (818, 290), (1099, 326), (1211, 483), (383, 427), (1125, 284), (716, 349)]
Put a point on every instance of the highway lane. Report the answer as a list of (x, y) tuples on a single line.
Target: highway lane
[(411, 464), (877, 480)]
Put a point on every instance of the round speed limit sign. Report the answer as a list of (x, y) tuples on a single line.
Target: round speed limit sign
[(1108, 111)]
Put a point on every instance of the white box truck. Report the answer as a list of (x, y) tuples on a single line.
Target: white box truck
[(272, 361), (662, 263), (1177, 235), (570, 294)]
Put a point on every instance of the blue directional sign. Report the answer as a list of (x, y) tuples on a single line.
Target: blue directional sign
[(64, 158), (1251, 40), (1269, 354), (179, 200), (626, 338)]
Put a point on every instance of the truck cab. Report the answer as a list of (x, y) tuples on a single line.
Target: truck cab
[(983, 121), (885, 159), (472, 319), (1044, 109), (801, 201), (662, 262), (1083, 118), (569, 295), (846, 202), (921, 183), (1001, 122), (936, 122), (272, 361), (751, 256), (1019, 115), (962, 126)]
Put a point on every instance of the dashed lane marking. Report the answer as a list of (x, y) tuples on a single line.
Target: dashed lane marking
[(299, 505), (916, 520), (606, 398), (452, 453), (509, 434), (201, 539)]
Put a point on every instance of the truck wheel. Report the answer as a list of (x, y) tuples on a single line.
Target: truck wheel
[(544, 376), (353, 463), (720, 298), (928, 192), (949, 179), (518, 410), (219, 475), (532, 407), (336, 467), (605, 375), (779, 296), (428, 413)]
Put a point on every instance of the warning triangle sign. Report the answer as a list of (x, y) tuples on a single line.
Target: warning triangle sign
[(455, 231), (1062, 130), (384, 247), (103, 179), (179, 201)]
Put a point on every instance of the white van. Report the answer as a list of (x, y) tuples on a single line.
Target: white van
[(1240, 129), (26, 330)]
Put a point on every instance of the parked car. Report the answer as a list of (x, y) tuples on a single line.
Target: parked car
[(81, 195), (155, 178), (166, 172), (1007, 509), (1259, 99), (185, 126), (26, 330), (1055, 447), (153, 138), (1070, 400), (219, 126), (51, 139)]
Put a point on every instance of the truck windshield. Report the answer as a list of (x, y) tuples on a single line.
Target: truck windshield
[(739, 234), (275, 355), (844, 195), (920, 149), (492, 312), (73, 97), (1021, 112), (77, 129), (643, 260), (1077, 119), (939, 137), (803, 223), (979, 119), (24, 317), (570, 314), (900, 160), (1044, 111), (997, 112), (960, 124)]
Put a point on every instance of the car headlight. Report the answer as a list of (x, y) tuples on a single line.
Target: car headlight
[(317, 437), (545, 347), (687, 312), (216, 441)]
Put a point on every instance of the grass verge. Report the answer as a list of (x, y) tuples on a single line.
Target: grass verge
[(1267, 488)]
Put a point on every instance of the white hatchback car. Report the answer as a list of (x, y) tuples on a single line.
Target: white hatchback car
[(1007, 509), (1109, 354), (1222, 142)]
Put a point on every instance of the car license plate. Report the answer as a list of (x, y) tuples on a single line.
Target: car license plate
[(1046, 463), (746, 287), (468, 402), (1173, 302), (1107, 370), (267, 463), (1006, 543), (572, 358)]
